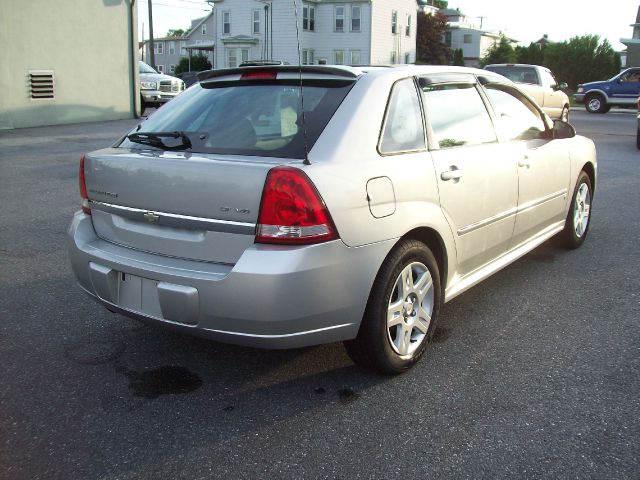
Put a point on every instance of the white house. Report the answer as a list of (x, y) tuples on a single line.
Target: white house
[(463, 33), (355, 32)]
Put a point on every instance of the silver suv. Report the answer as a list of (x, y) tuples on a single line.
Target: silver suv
[(157, 88), (287, 206)]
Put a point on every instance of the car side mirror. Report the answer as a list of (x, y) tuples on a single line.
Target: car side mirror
[(563, 129)]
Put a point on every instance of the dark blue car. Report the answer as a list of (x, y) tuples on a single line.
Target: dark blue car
[(622, 90)]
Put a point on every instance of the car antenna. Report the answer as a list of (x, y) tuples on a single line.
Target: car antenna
[(304, 123)]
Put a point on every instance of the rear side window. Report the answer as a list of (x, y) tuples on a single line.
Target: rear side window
[(517, 119), (457, 115), (403, 127), (264, 119)]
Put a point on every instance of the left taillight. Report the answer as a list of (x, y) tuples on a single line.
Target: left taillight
[(83, 188)]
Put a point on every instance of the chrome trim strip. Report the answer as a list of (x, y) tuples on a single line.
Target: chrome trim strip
[(509, 213), (287, 335), (536, 203), (488, 221), (175, 220)]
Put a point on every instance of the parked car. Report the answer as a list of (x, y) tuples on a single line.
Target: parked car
[(540, 84), (240, 213), (638, 132), (621, 91), (189, 78), (157, 88)]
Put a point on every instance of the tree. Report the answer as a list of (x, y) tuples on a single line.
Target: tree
[(198, 64), (440, 3), (177, 32), (533, 54), (500, 52), (430, 47), (458, 57), (581, 59)]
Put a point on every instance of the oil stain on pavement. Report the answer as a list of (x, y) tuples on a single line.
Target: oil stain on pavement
[(167, 380)]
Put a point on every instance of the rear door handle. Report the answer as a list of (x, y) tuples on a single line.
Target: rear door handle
[(453, 174)]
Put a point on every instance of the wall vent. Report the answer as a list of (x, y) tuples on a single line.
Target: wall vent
[(41, 84)]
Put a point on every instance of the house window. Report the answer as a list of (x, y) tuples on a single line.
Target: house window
[(407, 58), (232, 57), (158, 48), (407, 30), (307, 57), (244, 54), (355, 18), (339, 19), (183, 48), (160, 68), (172, 48), (394, 22), (255, 18), (447, 38), (322, 61), (339, 57), (394, 58), (226, 23), (467, 38), (356, 58), (309, 18), (204, 28), (172, 68)]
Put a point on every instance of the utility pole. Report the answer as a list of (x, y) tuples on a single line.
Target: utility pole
[(151, 47)]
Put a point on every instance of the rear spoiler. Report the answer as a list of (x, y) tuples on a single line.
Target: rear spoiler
[(283, 72)]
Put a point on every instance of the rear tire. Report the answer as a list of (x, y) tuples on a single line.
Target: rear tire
[(579, 217), (402, 311)]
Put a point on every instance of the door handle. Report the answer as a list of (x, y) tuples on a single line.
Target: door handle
[(524, 162), (453, 174)]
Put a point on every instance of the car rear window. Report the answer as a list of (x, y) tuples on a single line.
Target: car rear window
[(516, 74), (264, 119)]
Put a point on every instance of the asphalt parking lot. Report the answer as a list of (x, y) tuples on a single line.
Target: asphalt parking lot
[(535, 373)]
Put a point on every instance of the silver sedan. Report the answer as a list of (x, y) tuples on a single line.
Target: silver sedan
[(286, 206)]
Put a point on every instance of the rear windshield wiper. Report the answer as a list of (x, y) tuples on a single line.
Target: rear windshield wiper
[(154, 139)]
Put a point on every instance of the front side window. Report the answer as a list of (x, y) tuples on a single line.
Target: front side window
[(632, 76), (457, 115), (255, 18), (403, 127), (355, 18), (226, 23), (517, 119), (339, 18)]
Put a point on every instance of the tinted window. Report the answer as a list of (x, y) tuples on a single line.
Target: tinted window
[(516, 74), (261, 119), (403, 128), (457, 115), (517, 119)]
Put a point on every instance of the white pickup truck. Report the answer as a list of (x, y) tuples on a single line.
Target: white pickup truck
[(540, 84)]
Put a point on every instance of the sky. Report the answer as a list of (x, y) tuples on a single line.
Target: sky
[(524, 21)]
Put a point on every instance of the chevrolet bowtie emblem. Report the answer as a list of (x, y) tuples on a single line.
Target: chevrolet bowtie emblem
[(151, 217)]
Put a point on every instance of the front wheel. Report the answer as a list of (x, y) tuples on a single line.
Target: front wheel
[(402, 310), (596, 104), (579, 217)]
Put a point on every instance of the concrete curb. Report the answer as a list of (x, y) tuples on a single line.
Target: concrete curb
[(629, 111)]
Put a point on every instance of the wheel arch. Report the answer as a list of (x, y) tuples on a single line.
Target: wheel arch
[(432, 239), (590, 170), (596, 91)]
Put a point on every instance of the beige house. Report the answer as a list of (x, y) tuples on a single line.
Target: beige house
[(67, 62)]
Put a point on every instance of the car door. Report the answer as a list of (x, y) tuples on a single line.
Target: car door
[(543, 164), (627, 87), (478, 184)]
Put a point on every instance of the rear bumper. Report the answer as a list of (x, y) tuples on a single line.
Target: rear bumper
[(273, 297)]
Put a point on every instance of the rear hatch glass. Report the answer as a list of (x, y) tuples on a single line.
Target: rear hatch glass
[(254, 119)]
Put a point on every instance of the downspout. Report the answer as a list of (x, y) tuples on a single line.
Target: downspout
[(132, 62)]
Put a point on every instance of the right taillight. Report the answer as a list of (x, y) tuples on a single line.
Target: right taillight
[(83, 188), (292, 211)]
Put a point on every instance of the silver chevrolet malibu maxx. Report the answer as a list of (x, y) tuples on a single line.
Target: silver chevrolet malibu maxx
[(287, 206)]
